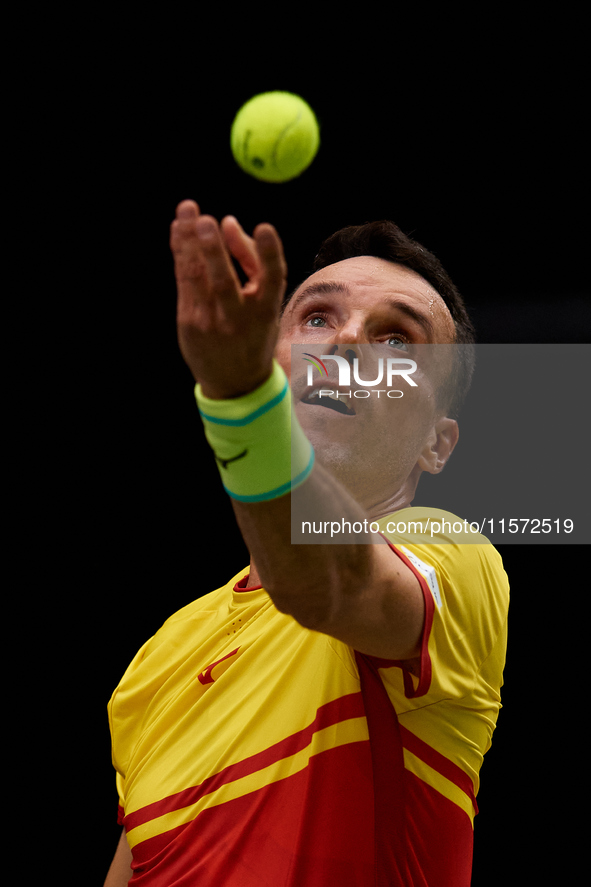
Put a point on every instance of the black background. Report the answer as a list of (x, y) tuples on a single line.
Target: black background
[(469, 134)]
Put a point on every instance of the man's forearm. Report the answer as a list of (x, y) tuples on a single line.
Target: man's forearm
[(262, 452), (306, 580)]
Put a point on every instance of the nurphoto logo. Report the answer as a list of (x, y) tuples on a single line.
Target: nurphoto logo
[(391, 367)]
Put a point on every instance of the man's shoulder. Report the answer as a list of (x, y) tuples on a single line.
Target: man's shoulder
[(182, 634), (186, 626), (205, 603), (433, 539)]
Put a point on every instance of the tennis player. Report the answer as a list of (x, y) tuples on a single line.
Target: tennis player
[(321, 718)]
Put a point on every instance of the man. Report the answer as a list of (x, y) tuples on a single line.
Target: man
[(322, 718)]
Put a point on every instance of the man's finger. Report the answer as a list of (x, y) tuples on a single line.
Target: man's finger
[(274, 266), (187, 209), (183, 240), (223, 281), (189, 263), (242, 247)]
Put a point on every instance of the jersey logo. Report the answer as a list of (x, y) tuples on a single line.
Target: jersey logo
[(427, 572), (206, 676), (225, 462)]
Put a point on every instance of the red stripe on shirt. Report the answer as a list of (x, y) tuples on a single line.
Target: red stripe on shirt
[(438, 762), (313, 828), (417, 828), (342, 709)]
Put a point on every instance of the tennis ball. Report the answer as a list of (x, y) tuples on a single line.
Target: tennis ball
[(275, 136)]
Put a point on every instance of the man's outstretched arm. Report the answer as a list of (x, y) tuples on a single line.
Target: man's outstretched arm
[(361, 594)]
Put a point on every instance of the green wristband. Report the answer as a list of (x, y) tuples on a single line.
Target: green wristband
[(260, 448)]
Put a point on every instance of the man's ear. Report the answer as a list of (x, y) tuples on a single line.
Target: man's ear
[(440, 445)]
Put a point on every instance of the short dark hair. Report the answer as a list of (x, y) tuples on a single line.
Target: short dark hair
[(385, 240)]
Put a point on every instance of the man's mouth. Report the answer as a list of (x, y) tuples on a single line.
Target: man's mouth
[(332, 400)]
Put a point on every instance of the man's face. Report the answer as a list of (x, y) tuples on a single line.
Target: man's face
[(360, 302)]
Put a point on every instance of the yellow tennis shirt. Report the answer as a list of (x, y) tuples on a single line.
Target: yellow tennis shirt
[(251, 751)]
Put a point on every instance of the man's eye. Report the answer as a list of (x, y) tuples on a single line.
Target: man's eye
[(316, 320), (397, 342)]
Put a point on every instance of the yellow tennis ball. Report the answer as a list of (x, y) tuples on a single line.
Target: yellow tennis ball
[(275, 136)]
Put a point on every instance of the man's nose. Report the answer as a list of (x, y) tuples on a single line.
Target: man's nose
[(351, 333), (364, 353), (343, 351)]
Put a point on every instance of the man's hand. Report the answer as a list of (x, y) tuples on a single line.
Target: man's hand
[(227, 331)]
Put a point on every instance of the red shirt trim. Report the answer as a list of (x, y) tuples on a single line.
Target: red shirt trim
[(242, 584), (424, 659)]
